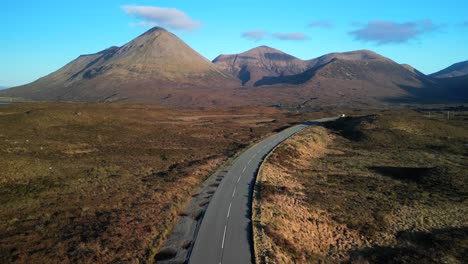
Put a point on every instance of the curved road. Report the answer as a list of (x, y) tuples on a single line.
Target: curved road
[(225, 234)]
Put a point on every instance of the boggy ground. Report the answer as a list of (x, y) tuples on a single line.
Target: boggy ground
[(104, 183), (384, 188)]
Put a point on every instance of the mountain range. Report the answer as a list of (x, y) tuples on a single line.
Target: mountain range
[(158, 67)]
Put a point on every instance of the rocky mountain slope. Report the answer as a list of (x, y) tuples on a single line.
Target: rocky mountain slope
[(254, 64)]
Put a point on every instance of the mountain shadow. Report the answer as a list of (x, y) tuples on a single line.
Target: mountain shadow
[(435, 246), (295, 79)]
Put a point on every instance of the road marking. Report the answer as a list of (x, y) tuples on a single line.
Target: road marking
[(244, 169), (249, 161), (238, 180), (224, 236), (229, 210), (254, 155), (234, 192)]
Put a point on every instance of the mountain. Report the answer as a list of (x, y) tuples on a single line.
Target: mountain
[(3, 87), (155, 67), (456, 70), (254, 64), (359, 78), (267, 66)]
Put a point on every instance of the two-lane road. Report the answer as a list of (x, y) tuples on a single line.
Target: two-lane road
[(225, 233)]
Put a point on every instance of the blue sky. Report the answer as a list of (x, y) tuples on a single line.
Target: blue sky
[(39, 37)]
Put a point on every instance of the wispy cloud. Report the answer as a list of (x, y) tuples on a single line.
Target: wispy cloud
[(321, 23), (387, 32), (290, 36), (171, 18), (255, 35)]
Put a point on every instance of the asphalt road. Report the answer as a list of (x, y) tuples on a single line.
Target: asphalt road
[(225, 234)]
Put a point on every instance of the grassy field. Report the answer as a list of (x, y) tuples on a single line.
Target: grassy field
[(384, 188), (104, 183)]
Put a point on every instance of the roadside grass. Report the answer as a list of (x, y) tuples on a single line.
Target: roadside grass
[(102, 183), (389, 187)]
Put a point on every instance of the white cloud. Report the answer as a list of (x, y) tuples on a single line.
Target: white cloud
[(255, 35), (385, 32), (171, 18)]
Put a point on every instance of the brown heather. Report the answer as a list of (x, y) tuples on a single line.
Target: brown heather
[(385, 188), (104, 183)]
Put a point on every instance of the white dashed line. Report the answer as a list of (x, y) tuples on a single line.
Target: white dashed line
[(244, 169), (224, 236), (249, 161), (229, 210), (234, 192)]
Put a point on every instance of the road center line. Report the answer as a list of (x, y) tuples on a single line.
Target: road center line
[(224, 236), (229, 210), (244, 169), (234, 192), (249, 161), (238, 180)]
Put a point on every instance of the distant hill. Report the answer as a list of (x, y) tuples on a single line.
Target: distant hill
[(259, 62), (158, 67), (361, 78), (455, 70)]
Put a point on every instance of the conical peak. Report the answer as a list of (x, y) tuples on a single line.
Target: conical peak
[(263, 49), (155, 29)]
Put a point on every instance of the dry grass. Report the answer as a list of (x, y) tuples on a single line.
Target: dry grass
[(385, 188), (96, 183)]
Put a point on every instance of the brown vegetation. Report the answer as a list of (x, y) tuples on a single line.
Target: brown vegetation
[(384, 188), (97, 183)]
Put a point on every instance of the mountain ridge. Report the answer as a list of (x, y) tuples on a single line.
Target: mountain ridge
[(454, 70)]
